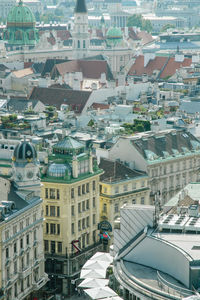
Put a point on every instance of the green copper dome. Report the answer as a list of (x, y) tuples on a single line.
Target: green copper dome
[(114, 36), (20, 15), (21, 26)]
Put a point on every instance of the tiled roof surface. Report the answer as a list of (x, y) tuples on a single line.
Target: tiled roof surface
[(90, 69), (165, 144), (57, 96), (172, 66), (23, 72), (116, 171), (138, 68)]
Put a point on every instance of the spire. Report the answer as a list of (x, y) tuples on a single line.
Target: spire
[(80, 6)]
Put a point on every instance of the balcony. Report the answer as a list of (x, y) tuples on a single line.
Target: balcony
[(40, 283), (23, 273)]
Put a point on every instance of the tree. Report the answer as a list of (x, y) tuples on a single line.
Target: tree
[(138, 21), (166, 27), (90, 123)]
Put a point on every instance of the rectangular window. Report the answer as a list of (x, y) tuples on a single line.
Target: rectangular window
[(133, 201), (83, 189), (142, 184), (35, 253), (46, 193), (52, 194), (27, 222), (22, 263), (116, 208), (94, 185), (105, 208), (21, 225), (46, 245), (52, 211), (53, 246), (58, 229), (58, 194), (116, 190), (87, 204), (72, 228), (142, 200), (79, 191), (7, 234), (79, 207), (72, 193), (7, 252), (94, 236), (72, 210), (52, 228), (88, 238), (47, 228), (27, 259), (8, 273), (27, 239), (125, 187), (22, 285), (15, 289), (58, 211), (15, 247), (35, 235), (94, 219), (14, 229), (34, 217), (59, 247), (28, 281), (83, 223), (83, 206), (87, 188), (94, 201), (47, 210), (15, 266), (88, 221), (79, 225), (21, 243)]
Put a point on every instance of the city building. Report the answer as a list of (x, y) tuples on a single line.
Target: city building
[(169, 157), (165, 249), (120, 185), (21, 228), (20, 30), (71, 208)]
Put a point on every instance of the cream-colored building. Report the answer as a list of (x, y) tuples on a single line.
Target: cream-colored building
[(21, 229), (120, 185), (171, 158), (71, 208)]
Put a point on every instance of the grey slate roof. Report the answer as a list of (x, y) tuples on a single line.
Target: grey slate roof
[(80, 6), (116, 171), (164, 144)]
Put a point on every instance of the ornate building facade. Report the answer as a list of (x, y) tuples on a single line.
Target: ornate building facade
[(71, 206)]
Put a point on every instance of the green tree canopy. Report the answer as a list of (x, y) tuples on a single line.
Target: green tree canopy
[(166, 27), (138, 21)]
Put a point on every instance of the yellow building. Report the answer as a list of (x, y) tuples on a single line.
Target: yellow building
[(71, 209), (120, 185)]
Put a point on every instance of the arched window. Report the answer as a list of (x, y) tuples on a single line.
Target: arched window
[(84, 44), (79, 44)]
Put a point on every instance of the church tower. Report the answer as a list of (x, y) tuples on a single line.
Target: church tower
[(80, 34)]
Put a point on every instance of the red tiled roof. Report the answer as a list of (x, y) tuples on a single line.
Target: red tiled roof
[(100, 106), (138, 68), (172, 66), (90, 69), (145, 37), (63, 35)]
